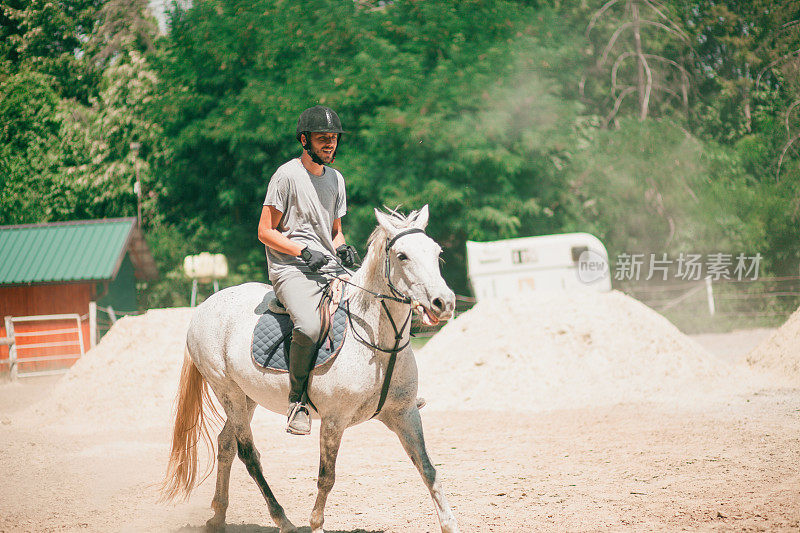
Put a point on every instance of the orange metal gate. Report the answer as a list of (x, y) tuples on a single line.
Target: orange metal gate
[(43, 344)]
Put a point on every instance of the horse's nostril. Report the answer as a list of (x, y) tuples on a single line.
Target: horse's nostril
[(438, 304)]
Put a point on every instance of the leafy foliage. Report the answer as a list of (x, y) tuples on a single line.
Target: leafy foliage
[(638, 57), (494, 112), (45, 36), (122, 26), (444, 103), (651, 187), (31, 118), (101, 163)]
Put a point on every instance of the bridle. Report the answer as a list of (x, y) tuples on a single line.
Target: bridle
[(396, 296)]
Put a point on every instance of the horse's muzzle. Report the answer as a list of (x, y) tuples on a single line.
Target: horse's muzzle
[(442, 306)]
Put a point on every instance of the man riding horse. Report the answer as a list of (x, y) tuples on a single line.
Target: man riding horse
[(374, 375), (301, 227)]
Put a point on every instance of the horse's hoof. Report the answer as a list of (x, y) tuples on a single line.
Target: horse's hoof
[(287, 527), (215, 525), (450, 526)]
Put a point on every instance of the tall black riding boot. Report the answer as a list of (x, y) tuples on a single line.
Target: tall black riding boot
[(301, 354)]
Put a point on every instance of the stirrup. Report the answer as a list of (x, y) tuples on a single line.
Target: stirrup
[(295, 410)]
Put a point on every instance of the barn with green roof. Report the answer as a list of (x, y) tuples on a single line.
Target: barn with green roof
[(67, 269)]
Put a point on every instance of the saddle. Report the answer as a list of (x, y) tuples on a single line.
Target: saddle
[(272, 335)]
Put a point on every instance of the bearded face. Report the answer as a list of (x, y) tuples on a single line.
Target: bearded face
[(322, 147)]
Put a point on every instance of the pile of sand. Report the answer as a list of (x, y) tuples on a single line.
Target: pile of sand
[(555, 350), (780, 353), (128, 380), (534, 351)]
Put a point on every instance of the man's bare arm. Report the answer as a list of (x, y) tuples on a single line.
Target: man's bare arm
[(337, 234), (270, 236)]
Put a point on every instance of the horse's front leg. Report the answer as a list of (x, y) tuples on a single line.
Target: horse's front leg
[(330, 439), (408, 427)]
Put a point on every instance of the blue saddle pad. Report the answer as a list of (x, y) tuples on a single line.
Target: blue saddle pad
[(272, 337)]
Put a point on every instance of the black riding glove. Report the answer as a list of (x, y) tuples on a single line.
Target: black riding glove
[(314, 259), (348, 255)]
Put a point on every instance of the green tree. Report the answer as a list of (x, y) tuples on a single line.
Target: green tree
[(65, 158), (47, 37), (741, 47), (121, 26), (651, 187), (31, 118), (98, 158), (749, 54), (448, 103), (638, 57)]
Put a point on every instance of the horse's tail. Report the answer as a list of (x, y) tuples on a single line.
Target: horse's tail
[(190, 424)]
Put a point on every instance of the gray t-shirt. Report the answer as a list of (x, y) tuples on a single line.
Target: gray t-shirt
[(309, 205)]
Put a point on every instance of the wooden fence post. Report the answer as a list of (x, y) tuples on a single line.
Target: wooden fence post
[(12, 349)]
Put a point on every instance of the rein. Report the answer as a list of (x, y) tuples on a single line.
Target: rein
[(396, 296)]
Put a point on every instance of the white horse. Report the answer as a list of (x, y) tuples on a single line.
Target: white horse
[(400, 273)]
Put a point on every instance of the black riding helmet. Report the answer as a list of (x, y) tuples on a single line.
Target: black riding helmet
[(319, 119)]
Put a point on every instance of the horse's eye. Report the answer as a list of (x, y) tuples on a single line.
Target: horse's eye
[(401, 256)]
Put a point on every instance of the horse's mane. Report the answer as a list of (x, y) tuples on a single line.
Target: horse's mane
[(376, 247)]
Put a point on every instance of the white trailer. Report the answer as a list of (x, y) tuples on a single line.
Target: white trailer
[(568, 261)]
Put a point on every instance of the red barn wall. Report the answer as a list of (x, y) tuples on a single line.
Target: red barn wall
[(45, 300)]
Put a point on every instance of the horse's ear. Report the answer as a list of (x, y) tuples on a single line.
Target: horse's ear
[(421, 218), (387, 223)]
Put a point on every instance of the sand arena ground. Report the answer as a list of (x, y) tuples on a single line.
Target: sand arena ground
[(577, 413)]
